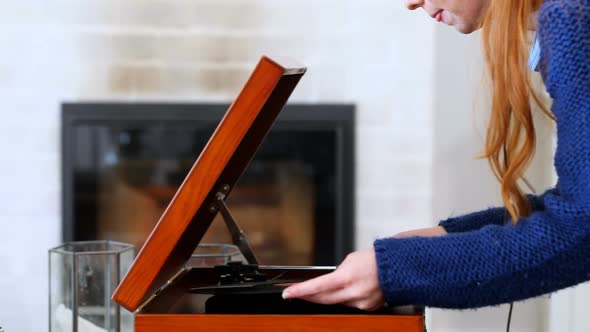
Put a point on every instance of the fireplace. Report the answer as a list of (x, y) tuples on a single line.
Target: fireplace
[(122, 164)]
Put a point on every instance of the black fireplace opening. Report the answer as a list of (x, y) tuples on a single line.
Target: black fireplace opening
[(123, 162)]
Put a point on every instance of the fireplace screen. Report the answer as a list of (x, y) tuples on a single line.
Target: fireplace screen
[(124, 162)]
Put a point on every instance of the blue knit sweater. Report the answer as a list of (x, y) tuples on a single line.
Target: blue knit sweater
[(483, 261)]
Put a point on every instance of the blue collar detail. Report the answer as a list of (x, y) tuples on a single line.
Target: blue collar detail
[(535, 55)]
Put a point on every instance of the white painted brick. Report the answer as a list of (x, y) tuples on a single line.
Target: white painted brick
[(203, 81), (329, 82), (34, 44), (159, 13), (95, 47), (366, 234), (127, 78), (29, 143), (19, 12), (385, 142), (396, 207), (412, 177)]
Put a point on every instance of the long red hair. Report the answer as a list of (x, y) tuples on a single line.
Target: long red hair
[(510, 139)]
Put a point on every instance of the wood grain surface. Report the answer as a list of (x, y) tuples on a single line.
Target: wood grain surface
[(267, 323)]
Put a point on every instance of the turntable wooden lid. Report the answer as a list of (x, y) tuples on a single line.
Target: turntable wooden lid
[(222, 161)]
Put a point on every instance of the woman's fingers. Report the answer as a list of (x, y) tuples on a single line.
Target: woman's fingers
[(333, 296), (317, 285), (350, 297), (354, 283)]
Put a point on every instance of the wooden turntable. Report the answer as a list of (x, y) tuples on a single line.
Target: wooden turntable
[(169, 293)]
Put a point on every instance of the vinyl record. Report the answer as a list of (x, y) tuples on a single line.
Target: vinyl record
[(261, 287)]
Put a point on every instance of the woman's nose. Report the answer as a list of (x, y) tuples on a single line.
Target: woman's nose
[(414, 4)]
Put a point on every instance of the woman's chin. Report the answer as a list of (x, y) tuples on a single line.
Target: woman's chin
[(465, 28)]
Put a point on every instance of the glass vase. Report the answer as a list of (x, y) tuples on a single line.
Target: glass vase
[(82, 278)]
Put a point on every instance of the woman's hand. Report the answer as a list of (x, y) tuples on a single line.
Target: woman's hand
[(425, 232), (354, 283)]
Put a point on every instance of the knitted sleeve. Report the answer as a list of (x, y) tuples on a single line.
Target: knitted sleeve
[(491, 216), (544, 252)]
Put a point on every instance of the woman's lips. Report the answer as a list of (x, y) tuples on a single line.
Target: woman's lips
[(438, 16)]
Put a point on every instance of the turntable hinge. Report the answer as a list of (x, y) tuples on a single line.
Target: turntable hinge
[(238, 236)]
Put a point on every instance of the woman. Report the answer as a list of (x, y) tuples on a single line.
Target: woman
[(479, 259)]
